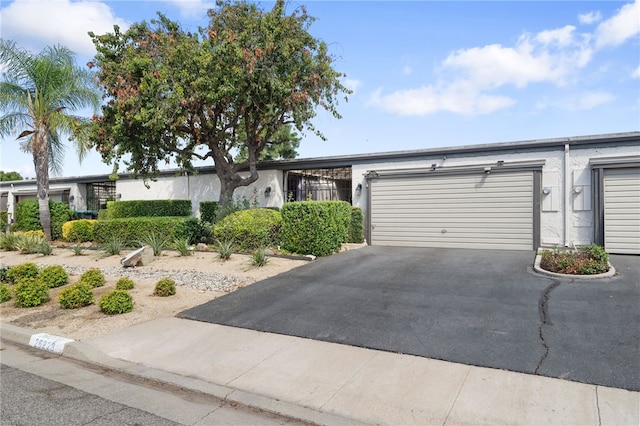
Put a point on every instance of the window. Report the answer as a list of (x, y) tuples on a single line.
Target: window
[(99, 193), (332, 184)]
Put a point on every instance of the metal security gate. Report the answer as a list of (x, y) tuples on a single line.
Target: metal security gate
[(480, 210), (622, 210)]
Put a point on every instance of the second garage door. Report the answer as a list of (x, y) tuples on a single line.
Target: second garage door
[(494, 211)]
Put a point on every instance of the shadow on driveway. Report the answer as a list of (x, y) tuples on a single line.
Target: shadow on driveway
[(477, 307)]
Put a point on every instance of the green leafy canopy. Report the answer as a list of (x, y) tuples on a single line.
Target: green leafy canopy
[(225, 93)]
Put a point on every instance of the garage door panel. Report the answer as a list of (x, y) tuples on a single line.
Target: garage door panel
[(622, 210), (490, 211)]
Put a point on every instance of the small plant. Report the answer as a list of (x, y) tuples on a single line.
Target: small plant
[(53, 276), (124, 283), (225, 248), (165, 287), (114, 245), (181, 245), (29, 243), (8, 241), (76, 296), (116, 302), (5, 293), (76, 249), (46, 249), (156, 241), (18, 272), (588, 260), (30, 292), (93, 277), (3, 274), (259, 258)]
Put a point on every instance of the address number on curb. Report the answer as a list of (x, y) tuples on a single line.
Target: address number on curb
[(48, 342)]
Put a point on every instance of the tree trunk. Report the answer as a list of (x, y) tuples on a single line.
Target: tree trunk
[(41, 162)]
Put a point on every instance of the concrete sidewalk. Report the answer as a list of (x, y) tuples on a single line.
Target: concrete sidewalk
[(328, 383)]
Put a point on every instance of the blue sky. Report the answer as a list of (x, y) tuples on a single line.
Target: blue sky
[(425, 74)]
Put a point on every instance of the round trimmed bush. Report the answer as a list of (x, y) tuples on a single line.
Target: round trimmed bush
[(250, 229), (125, 283), (30, 292), (25, 270), (165, 287), (5, 293), (116, 302), (78, 231), (76, 296), (93, 276), (53, 276)]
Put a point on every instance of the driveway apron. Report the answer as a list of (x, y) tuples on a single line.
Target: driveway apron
[(476, 307)]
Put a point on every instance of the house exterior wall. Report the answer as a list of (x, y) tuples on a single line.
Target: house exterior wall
[(202, 187), (27, 190), (566, 216)]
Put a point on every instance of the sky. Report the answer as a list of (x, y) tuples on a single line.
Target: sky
[(424, 74)]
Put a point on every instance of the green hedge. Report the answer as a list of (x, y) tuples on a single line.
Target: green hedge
[(356, 227), (134, 229), (4, 220), (315, 227), (28, 217), (148, 208), (78, 231), (208, 211), (250, 229)]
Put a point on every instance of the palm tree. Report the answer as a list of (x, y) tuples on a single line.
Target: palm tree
[(37, 95)]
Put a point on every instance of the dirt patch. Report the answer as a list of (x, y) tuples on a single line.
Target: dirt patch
[(89, 321)]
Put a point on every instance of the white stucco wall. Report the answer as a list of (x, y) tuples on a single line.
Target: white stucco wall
[(202, 187), (553, 206)]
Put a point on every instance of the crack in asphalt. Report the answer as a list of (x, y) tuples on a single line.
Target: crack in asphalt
[(543, 310)]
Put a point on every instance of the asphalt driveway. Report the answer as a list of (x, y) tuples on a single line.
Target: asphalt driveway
[(477, 307)]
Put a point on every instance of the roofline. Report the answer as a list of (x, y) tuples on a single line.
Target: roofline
[(347, 160)]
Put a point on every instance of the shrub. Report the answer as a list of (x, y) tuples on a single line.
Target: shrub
[(116, 302), (17, 273), (208, 211), (315, 227), (165, 287), (135, 228), (93, 277), (76, 296), (250, 229), (27, 215), (53, 276), (181, 245), (3, 274), (148, 208), (30, 292), (125, 283), (589, 260), (225, 248), (4, 220), (5, 293), (78, 231), (356, 226), (191, 228)]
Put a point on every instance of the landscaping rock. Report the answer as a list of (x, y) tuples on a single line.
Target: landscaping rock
[(139, 257), (201, 247)]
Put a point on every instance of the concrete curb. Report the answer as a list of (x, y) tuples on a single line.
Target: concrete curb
[(82, 352), (536, 266)]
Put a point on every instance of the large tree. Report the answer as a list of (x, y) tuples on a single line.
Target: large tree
[(224, 93), (38, 93), (9, 176)]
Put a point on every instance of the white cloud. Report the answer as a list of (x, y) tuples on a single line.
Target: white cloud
[(352, 84), (588, 101), (459, 98), (619, 28), (589, 18), (636, 73), (407, 70), (193, 8), (34, 24)]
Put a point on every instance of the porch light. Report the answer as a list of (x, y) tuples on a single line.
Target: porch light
[(267, 191), (359, 189)]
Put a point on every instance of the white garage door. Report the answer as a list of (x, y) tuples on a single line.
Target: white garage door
[(493, 211), (622, 210)]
